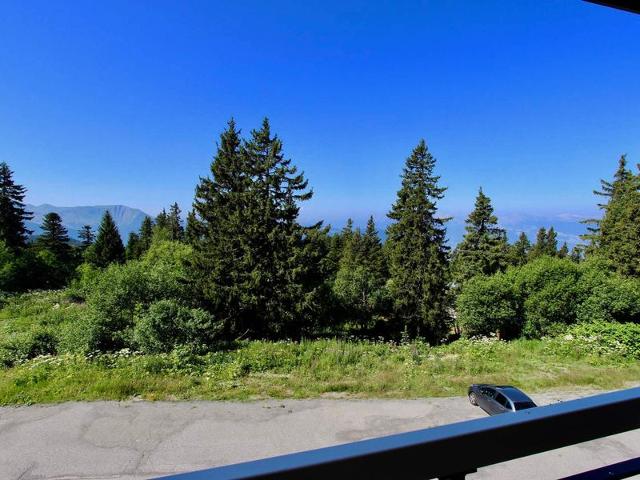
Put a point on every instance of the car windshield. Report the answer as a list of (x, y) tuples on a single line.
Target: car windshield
[(523, 405)]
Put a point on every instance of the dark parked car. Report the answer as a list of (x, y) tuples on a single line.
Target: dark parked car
[(495, 399)]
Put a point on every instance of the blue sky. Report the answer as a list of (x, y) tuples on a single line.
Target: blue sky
[(122, 102)]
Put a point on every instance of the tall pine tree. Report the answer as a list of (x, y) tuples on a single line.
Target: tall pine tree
[(13, 213), (145, 236), (418, 251), (87, 237), (174, 223), (484, 248), (55, 237), (551, 243), (616, 237), (540, 247), (132, 250), (108, 247), (519, 251)]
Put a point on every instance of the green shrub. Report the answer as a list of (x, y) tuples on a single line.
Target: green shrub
[(488, 304), (27, 345), (616, 299), (167, 324), (114, 295), (600, 338)]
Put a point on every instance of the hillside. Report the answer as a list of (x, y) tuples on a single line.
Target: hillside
[(127, 219)]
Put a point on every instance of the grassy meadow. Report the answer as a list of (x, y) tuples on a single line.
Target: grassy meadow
[(250, 370)]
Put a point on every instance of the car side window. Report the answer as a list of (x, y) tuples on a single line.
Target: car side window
[(502, 400), (489, 392)]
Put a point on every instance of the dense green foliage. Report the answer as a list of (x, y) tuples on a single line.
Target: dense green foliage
[(13, 213), (484, 249), (418, 254), (600, 355), (244, 267)]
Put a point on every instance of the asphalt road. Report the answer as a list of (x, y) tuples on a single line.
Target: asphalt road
[(135, 440)]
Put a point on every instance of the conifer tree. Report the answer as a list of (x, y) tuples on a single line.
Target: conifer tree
[(174, 223), (108, 247), (275, 193), (86, 237), (145, 236), (13, 213), (418, 250), (252, 259), (613, 192), (221, 270), (360, 280), (484, 248), (540, 247), (577, 253), (161, 225), (55, 237), (132, 250), (564, 251), (616, 236), (551, 243), (372, 252), (193, 230), (519, 251)]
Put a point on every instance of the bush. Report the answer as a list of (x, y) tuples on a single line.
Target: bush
[(616, 299), (166, 325), (114, 295), (27, 345), (488, 304), (600, 338)]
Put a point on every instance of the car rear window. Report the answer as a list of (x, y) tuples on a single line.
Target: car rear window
[(523, 405)]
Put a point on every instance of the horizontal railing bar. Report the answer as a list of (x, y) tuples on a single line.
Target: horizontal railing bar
[(617, 471), (458, 447)]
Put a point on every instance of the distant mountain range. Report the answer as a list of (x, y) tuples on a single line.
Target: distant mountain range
[(127, 219), (567, 225)]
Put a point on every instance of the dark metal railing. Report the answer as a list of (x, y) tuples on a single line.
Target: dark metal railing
[(451, 451)]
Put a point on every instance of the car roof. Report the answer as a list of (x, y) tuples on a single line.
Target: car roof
[(511, 392)]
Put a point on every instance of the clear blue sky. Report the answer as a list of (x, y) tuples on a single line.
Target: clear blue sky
[(122, 102)]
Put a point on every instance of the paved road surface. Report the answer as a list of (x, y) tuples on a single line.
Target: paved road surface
[(135, 440)]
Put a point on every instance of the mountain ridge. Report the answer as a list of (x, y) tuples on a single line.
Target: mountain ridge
[(127, 219)]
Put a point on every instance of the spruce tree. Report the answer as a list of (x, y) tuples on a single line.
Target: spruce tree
[(616, 237), (613, 192), (418, 251), (564, 251), (252, 262), (577, 253), (161, 225), (221, 265), (13, 213), (87, 237), (519, 251), (551, 243), (484, 249), (174, 223), (132, 250), (540, 247), (55, 237), (145, 236), (108, 247), (275, 193), (360, 280), (193, 230), (372, 253)]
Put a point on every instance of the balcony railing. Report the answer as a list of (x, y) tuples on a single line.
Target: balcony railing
[(455, 450)]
